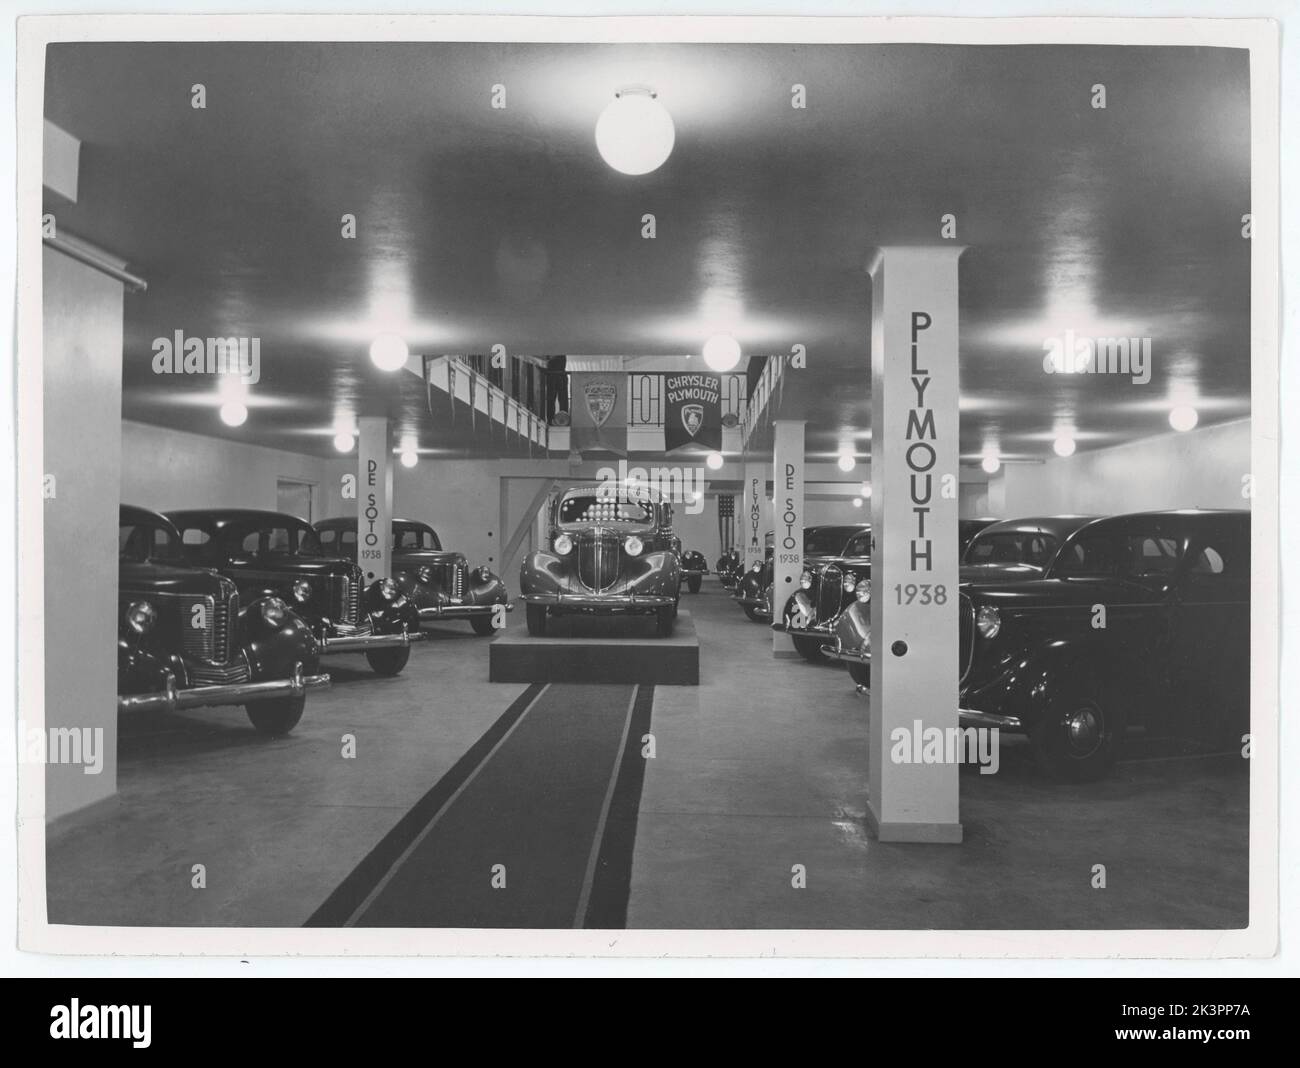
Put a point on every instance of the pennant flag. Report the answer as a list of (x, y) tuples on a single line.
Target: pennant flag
[(692, 411)]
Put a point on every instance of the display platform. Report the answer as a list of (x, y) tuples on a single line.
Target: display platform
[(597, 649)]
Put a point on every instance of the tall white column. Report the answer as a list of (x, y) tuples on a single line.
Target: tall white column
[(787, 521), (914, 490), (755, 518), (375, 499)]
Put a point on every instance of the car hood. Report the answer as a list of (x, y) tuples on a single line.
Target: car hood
[(1034, 593), (150, 577), (998, 573), (426, 557), (305, 566)]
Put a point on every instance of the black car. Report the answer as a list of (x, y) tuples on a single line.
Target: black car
[(968, 528), (185, 640), (1139, 620), (694, 568), (439, 582), (279, 555), (729, 568), (1018, 548), (825, 589), (820, 543)]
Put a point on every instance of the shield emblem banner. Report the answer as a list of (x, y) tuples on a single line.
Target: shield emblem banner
[(600, 401), (692, 411), (693, 418), (599, 411)]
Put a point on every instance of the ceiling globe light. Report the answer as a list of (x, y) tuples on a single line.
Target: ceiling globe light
[(847, 462), (1064, 445), (344, 442), (722, 352), (410, 458), (1183, 418), (234, 414), (714, 460), (857, 502), (388, 352), (635, 133), (991, 464)]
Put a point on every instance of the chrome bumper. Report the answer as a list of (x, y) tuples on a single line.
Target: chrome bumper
[(363, 643), (235, 693), (834, 652), (462, 611), (618, 602)]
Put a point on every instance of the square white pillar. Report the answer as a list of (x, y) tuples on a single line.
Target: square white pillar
[(787, 521), (914, 497), (374, 499)]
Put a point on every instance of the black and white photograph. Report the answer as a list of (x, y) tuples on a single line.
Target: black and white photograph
[(492, 486)]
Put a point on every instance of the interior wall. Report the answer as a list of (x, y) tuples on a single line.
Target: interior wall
[(82, 351), (1202, 468)]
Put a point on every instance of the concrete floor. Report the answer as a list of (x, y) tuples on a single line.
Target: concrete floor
[(759, 768)]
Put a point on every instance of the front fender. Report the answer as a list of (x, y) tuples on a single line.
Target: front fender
[(273, 650), (491, 592), (138, 670), (1029, 680), (798, 613)]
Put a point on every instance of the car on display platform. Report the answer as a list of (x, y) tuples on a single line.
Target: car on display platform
[(820, 543), (186, 641), (694, 568), (1140, 620), (729, 567), (439, 582), (279, 555), (608, 551)]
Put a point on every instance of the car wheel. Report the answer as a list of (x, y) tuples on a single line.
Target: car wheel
[(483, 626), (752, 613), (388, 661), (693, 583), (665, 617), (536, 616), (809, 648), (277, 715), (860, 674), (1078, 735)]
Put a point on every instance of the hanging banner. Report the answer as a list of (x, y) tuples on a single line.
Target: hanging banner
[(598, 404), (692, 411)]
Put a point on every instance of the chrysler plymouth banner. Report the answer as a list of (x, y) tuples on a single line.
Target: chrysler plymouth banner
[(599, 412), (692, 411)]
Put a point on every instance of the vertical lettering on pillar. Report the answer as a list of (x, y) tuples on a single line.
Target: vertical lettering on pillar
[(788, 521), (754, 523), (375, 500)]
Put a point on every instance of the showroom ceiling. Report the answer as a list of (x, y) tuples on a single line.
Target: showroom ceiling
[(479, 226)]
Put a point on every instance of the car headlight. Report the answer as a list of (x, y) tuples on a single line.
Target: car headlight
[(805, 581), (302, 591), (425, 575), (274, 611), (757, 568), (388, 590), (863, 592), (140, 617), (563, 544), (988, 621), (850, 582), (483, 574), (632, 545)]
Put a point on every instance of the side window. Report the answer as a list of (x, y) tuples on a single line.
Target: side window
[(198, 547), (1151, 554), (251, 543), (327, 538), (1219, 571), (1093, 555), (348, 542)]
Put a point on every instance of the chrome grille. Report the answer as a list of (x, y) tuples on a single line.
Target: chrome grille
[(827, 593), (219, 674), (197, 642), (452, 579), (346, 600), (224, 614), (598, 560), (966, 641)]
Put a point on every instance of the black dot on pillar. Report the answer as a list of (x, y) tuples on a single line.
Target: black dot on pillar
[(899, 648), (788, 579)]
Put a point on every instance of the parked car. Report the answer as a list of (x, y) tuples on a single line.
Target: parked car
[(185, 641), (694, 568), (439, 582), (729, 568), (1018, 548), (279, 555), (607, 552), (820, 543), (825, 589), (1139, 620), (968, 528)]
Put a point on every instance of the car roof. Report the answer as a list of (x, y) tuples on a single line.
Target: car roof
[(1061, 526), (133, 513), (224, 516), (1196, 515), (349, 522)]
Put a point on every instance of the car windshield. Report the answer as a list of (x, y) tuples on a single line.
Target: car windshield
[(859, 546), (410, 537), (829, 542), (138, 542), (1012, 547), (586, 509), (275, 539)]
